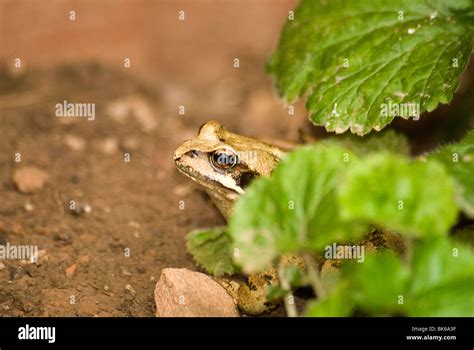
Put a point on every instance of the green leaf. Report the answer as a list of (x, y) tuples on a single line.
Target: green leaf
[(356, 59), (294, 210), (295, 276), (437, 282), (275, 292), (458, 158), (411, 197), (377, 283), (454, 299), (211, 249), (442, 280), (387, 140), (337, 304)]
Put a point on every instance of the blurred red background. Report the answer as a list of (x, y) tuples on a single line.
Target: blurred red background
[(199, 49)]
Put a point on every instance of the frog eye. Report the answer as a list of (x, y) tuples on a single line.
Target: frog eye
[(223, 159)]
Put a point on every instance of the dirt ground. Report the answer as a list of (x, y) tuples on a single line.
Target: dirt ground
[(134, 205)]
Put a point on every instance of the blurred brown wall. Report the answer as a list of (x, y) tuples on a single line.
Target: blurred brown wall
[(146, 31)]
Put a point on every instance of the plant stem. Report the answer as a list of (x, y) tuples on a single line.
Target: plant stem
[(288, 299), (313, 275)]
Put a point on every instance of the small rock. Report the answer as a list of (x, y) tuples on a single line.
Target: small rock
[(134, 224), (106, 288), (24, 262), (108, 146), (2, 266), (185, 293), (79, 208), (75, 143), (125, 272), (182, 190), (86, 208), (130, 289), (29, 207), (71, 270), (29, 179), (118, 110)]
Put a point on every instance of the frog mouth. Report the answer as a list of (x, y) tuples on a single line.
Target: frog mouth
[(211, 182)]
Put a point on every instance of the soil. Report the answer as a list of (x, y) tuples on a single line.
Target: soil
[(106, 260)]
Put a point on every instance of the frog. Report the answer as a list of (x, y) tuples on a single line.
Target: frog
[(224, 164)]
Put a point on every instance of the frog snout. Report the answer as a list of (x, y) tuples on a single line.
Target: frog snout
[(177, 155), (187, 148), (181, 150), (191, 154)]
